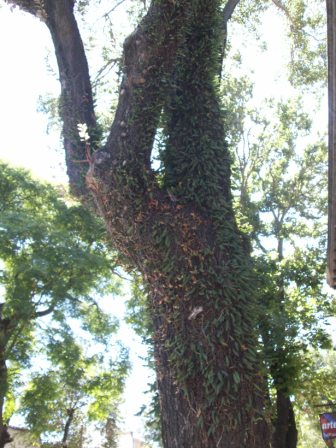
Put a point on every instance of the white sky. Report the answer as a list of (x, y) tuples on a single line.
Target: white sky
[(23, 77)]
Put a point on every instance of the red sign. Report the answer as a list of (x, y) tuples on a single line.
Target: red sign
[(328, 425)]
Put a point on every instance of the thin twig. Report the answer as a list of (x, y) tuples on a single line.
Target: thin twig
[(109, 64), (114, 7)]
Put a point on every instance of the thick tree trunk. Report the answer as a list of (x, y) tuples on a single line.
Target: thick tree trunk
[(292, 433), (211, 394), (201, 279), (5, 437), (179, 232), (207, 383)]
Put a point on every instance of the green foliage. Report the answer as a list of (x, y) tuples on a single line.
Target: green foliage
[(304, 28), (87, 388), (53, 254), (320, 387), (51, 265), (54, 265), (280, 177), (307, 24), (316, 389), (49, 106)]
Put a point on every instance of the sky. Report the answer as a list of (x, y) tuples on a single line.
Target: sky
[(24, 141), (23, 78)]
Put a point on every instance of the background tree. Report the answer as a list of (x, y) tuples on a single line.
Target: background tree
[(77, 389), (280, 174), (51, 266), (280, 183)]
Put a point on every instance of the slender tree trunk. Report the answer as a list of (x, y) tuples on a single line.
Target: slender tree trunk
[(70, 416), (4, 436), (4, 323), (179, 231), (292, 433), (331, 20), (285, 432)]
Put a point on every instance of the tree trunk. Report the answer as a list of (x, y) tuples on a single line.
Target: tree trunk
[(4, 324), (4, 434), (285, 432), (5, 437), (209, 388), (179, 231), (292, 433), (70, 417), (331, 20)]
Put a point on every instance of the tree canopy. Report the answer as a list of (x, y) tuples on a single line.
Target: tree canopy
[(54, 266)]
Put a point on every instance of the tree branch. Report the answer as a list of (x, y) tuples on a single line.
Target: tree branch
[(114, 7), (104, 70), (193, 99), (120, 175), (32, 7), (227, 14), (76, 94), (283, 8), (148, 61), (229, 9), (44, 312)]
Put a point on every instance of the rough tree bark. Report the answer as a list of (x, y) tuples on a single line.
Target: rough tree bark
[(179, 232), (331, 20)]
